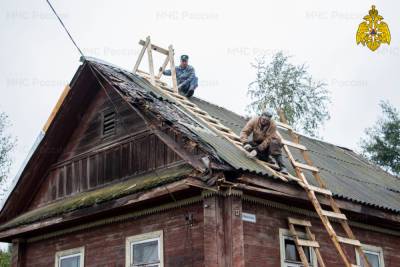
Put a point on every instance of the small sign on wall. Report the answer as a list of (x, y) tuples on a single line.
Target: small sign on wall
[(249, 217)]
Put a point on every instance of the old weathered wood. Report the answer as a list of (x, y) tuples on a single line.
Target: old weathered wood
[(193, 160), (17, 252)]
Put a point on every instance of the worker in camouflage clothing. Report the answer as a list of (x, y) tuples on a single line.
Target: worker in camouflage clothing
[(185, 76), (265, 142)]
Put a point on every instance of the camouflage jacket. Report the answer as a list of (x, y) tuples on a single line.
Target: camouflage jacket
[(261, 135), (183, 75)]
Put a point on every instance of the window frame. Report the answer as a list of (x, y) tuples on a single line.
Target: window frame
[(371, 250), (285, 234), (63, 254), (143, 238)]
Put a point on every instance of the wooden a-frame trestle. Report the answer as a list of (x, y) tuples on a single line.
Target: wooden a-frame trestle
[(321, 189), (223, 131), (189, 107)]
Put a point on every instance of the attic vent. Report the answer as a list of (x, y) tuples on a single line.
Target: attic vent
[(109, 123)]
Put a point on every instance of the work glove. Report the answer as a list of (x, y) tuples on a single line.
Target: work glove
[(253, 154), (248, 147)]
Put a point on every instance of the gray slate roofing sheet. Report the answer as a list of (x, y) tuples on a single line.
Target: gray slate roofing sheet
[(347, 174)]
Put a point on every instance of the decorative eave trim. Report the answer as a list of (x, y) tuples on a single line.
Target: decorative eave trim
[(309, 213), (228, 193)]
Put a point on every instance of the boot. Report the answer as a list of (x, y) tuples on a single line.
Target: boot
[(279, 161)]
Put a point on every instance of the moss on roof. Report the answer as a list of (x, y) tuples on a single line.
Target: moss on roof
[(89, 198)]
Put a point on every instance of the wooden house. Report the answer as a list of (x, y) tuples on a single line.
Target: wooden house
[(123, 176)]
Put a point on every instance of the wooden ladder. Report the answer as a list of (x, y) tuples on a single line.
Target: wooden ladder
[(172, 92), (321, 189), (310, 242)]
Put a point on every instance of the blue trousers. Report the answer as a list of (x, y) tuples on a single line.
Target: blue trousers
[(188, 89)]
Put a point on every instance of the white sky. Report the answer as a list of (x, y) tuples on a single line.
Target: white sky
[(221, 37)]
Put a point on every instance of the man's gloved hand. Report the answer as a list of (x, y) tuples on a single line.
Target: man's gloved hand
[(247, 147), (253, 153)]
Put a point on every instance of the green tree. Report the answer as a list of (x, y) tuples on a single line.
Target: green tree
[(382, 142), (282, 85), (5, 258), (7, 143)]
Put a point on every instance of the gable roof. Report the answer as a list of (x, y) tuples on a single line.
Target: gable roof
[(347, 174)]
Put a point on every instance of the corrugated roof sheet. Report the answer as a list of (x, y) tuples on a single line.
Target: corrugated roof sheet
[(347, 174)]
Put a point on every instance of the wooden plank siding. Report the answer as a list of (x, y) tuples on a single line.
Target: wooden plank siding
[(138, 154), (90, 159)]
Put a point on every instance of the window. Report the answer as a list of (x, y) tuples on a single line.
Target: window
[(374, 256), (289, 254), (145, 250), (109, 123), (70, 258)]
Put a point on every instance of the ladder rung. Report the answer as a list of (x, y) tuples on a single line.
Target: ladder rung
[(299, 222), (197, 110), (161, 82), (176, 95), (332, 214), (306, 167), (319, 190), (166, 88), (349, 241), (208, 118), (231, 136), (220, 127), (307, 243), (291, 177), (293, 144)]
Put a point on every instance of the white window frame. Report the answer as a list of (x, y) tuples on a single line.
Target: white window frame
[(142, 238), (371, 250), (70, 253), (285, 234)]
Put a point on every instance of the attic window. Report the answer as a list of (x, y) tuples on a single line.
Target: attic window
[(109, 123)]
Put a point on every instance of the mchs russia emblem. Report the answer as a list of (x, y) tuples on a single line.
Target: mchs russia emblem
[(373, 31)]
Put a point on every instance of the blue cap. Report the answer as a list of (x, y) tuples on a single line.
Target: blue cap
[(184, 58)]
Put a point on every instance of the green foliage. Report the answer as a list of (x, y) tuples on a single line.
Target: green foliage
[(5, 258), (282, 85), (382, 143), (7, 143)]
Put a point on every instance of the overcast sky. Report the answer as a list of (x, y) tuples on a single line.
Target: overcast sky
[(222, 39)]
